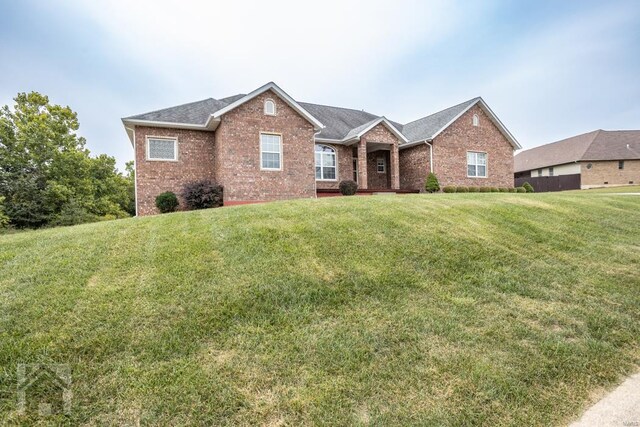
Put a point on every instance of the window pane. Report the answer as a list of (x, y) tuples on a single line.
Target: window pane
[(482, 170), (318, 159), (471, 158), (471, 170), (162, 149), (482, 158), (329, 173), (270, 143), (318, 172), (271, 160), (328, 159)]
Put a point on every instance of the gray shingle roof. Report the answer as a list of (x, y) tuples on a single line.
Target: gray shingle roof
[(195, 113), (426, 127), (596, 145), (340, 123)]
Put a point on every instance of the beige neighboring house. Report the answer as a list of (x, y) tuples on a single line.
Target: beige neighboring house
[(601, 158)]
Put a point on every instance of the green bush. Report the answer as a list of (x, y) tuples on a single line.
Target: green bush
[(462, 189), (503, 189), (348, 187), (4, 219), (432, 185), (203, 194), (528, 187), (474, 189), (521, 190), (494, 189), (449, 189), (484, 189), (512, 190), (167, 202)]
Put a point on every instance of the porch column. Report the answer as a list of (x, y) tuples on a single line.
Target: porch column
[(362, 164), (395, 167)]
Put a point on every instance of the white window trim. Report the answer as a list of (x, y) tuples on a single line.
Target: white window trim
[(476, 120), (335, 154), (275, 109), (486, 166), (384, 165), (166, 138), (280, 153)]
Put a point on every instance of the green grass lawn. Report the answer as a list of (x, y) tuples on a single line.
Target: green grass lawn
[(492, 309), (620, 189)]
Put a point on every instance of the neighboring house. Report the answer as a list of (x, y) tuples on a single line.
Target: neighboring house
[(600, 158), (267, 146)]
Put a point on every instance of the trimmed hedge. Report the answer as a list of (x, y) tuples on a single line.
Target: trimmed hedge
[(202, 195), (167, 202), (348, 187), (462, 189), (485, 189), (503, 189), (521, 190), (512, 190), (474, 189), (528, 187), (494, 189), (449, 189)]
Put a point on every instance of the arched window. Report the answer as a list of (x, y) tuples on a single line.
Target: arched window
[(269, 107), (325, 163), (476, 120)]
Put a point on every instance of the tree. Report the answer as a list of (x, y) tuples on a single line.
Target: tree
[(47, 176), (432, 185)]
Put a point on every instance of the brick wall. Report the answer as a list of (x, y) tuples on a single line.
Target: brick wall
[(414, 167), (237, 153), (607, 171), (451, 146), (195, 162), (378, 180)]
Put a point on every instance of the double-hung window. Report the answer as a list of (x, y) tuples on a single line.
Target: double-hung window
[(162, 149), (476, 164), (325, 163), (381, 165), (270, 151)]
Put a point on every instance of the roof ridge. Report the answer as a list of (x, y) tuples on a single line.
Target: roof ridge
[(174, 106), (339, 108), (444, 109), (595, 132)]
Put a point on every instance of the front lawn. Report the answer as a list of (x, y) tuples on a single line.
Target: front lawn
[(483, 309)]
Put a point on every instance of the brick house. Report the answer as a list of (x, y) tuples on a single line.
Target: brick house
[(267, 146), (597, 159)]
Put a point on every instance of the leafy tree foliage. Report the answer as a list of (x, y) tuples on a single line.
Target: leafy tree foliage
[(47, 176)]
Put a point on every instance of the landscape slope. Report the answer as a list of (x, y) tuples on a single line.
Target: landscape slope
[(454, 309)]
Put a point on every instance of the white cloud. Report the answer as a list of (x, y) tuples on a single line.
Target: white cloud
[(239, 45)]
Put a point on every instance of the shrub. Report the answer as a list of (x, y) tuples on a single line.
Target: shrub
[(202, 195), (503, 189), (521, 190), (462, 189), (512, 190), (4, 218), (432, 185), (494, 189), (449, 189), (167, 202), (348, 187), (485, 189), (528, 187), (473, 189)]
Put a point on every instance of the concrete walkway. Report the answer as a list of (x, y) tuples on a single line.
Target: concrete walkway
[(621, 407)]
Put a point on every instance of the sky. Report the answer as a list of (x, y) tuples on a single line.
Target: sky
[(548, 69)]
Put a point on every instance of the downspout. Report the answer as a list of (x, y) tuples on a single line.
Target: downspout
[(430, 156), (135, 168), (315, 183)]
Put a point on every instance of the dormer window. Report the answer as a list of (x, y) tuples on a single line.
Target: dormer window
[(269, 107), (476, 120)]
